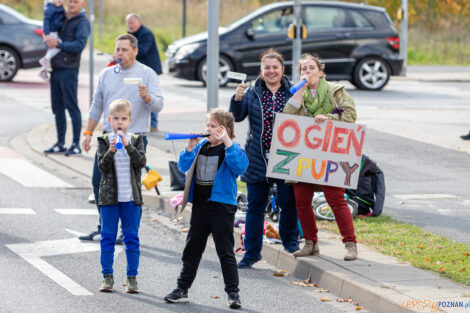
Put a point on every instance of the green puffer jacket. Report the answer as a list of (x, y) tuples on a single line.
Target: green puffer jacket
[(108, 184), (338, 98)]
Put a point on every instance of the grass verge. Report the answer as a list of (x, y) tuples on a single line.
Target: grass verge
[(412, 244)]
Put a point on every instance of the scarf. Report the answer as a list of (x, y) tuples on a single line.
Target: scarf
[(321, 103)]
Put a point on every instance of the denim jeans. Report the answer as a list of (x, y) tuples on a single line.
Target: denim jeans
[(96, 178), (254, 223), (64, 84), (154, 119), (129, 214)]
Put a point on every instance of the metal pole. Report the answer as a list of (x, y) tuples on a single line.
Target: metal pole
[(213, 54), (404, 36), (100, 31), (184, 18), (91, 47), (297, 42)]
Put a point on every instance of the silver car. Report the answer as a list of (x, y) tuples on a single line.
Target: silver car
[(21, 43)]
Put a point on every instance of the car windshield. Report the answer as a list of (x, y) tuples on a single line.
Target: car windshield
[(13, 13)]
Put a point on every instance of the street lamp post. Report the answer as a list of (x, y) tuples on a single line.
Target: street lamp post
[(212, 60)]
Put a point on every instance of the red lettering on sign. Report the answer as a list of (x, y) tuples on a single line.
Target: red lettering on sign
[(290, 123), (338, 139), (316, 141)]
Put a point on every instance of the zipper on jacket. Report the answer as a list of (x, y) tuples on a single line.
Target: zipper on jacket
[(262, 131)]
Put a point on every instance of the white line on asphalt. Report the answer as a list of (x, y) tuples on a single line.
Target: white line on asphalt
[(466, 202), (16, 211), (77, 211), (29, 175), (424, 196)]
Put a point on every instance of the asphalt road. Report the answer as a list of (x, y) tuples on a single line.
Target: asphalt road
[(44, 268)]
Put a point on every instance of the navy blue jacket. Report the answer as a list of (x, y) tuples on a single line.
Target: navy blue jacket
[(251, 106), (74, 35), (148, 52), (53, 18)]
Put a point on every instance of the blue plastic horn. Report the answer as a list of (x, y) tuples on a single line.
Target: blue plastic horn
[(299, 85), (117, 67), (119, 144), (172, 136)]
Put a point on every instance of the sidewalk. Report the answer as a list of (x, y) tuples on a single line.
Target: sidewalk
[(380, 283)]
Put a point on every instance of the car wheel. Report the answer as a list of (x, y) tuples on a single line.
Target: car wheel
[(225, 65), (9, 63), (372, 74)]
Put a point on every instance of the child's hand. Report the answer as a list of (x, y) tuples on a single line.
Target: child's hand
[(221, 134), (112, 147), (123, 137), (239, 92), (192, 142)]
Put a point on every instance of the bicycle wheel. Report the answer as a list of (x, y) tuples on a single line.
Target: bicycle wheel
[(323, 210), (274, 216)]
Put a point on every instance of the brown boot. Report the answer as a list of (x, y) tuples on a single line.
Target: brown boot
[(310, 248), (351, 251)]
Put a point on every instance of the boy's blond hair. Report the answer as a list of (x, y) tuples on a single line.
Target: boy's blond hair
[(224, 118), (121, 105)]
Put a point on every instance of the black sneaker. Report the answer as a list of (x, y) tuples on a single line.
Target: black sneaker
[(74, 149), (466, 137), (57, 148), (177, 295), (234, 301), (120, 240), (92, 236)]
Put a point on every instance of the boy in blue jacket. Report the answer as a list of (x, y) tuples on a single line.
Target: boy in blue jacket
[(212, 167)]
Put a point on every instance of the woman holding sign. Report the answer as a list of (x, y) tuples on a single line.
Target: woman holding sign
[(259, 103), (323, 101)]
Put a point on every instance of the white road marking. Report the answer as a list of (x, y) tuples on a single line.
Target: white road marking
[(426, 196), (77, 211), (29, 175), (32, 253), (17, 211)]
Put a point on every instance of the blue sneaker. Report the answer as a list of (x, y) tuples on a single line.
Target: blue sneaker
[(56, 148), (246, 263), (74, 149)]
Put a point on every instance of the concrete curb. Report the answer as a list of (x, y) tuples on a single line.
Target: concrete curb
[(374, 296)]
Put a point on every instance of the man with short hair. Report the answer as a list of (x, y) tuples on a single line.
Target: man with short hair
[(64, 77), (129, 80), (148, 52)]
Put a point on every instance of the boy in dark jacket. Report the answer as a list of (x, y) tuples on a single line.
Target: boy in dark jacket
[(54, 15), (212, 167), (121, 156)]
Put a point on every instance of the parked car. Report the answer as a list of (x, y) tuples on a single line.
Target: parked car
[(21, 43), (356, 42)]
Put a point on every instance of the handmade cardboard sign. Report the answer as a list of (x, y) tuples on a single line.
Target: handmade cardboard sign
[(325, 154)]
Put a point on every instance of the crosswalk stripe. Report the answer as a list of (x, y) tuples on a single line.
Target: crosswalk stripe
[(17, 211), (29, 175), (77, 211), (425, 196)]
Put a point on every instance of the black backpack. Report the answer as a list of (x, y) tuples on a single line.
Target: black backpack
[(370, 192)]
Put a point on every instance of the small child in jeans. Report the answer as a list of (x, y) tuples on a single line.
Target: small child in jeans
[(54, 15), (121, 156), (212, 167)]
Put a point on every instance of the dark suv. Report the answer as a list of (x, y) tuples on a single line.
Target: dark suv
[(356, 42)]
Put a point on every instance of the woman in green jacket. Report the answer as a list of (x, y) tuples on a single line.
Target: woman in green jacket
[(323, 101)]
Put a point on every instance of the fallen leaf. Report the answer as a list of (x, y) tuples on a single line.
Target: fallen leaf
[(466, 253), (358, 308), (426, 259), (401, 202), (124, 285), (420, 246), (315, 285), (441, 269), (321, 290), (215, 276), (150, 209), (463, 269), (324, 299), (279, 274), (402, 244), (215, 297), (185, 230), (154, 218)]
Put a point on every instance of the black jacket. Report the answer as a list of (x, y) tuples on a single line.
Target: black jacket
[(108, 184), (370, 192), (148, 52), (74, 35)]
